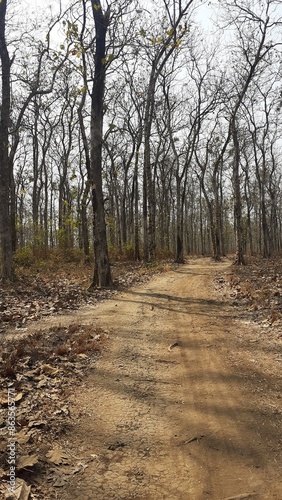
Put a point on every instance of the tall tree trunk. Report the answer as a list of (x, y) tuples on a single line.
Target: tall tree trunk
[(237, 197), (136, 207), (5, 174), (13, 205), (166, 49), (145, 219), (179, 223), (36, 188), (85, 195), (150, 223), (45, 209), (84, 223), (261, 52), (102, 271)]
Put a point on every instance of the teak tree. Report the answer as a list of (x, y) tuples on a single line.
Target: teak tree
[(258, 45), (202, 135), (5, 174), (164, 48), (102, 271)]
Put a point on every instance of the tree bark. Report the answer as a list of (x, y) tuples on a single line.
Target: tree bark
[(102, 271), (237, 197), (5, 174), (150, 230)]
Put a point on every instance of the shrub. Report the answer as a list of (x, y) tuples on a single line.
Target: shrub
[(24, 257)]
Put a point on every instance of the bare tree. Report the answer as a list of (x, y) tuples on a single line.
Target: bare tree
[(5, 173), (254, 29), (164, 47)]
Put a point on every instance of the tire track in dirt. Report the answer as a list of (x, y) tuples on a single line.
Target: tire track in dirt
[(170, 424)]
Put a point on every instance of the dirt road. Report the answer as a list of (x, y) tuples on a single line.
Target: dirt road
[(166, 414)]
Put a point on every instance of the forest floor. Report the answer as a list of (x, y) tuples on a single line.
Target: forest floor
[(170, 389)]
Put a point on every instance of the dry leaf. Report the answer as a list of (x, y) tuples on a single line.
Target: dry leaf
[(22, 491), (67, 470), (36, 423), (27, 461), (32, 373), (50, 370), (18, 397), (56, 456), (4, 398), (60, 482), (22, 437), (42, 383)]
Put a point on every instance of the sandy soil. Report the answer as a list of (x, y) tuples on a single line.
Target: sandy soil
[(183, 404)]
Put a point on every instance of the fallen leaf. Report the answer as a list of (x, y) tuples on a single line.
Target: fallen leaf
[(32, 373), (56, 456), (68, 471), (42, 383), (50, 370), (22, 437), (26, 461), (18, 397), (36, 423), (4, 399), (60, 482), (22, 491)]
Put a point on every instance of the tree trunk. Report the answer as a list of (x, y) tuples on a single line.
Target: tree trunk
[(237, 198), (179, 224), (84, 222), (102, 271), (145, 219), (36, 188), (150, 231), (5, 174), (136, 207)]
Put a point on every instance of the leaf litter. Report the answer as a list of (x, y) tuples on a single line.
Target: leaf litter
[(34, 296), (41, 368), (256, 289)]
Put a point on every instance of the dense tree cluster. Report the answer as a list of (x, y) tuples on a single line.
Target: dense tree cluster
[(132, 118)]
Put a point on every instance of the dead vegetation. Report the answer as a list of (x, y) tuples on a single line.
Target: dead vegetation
[(41, 370), (38, 292), (256, 289)]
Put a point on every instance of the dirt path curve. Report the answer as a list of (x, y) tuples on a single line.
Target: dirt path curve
[(173, 423)]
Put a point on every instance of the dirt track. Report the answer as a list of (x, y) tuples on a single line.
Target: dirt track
[(177, 422)]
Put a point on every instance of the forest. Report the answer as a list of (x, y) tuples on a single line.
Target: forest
[(140, 169), (140, 129)]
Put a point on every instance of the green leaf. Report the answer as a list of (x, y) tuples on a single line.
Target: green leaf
[(170, 32)]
